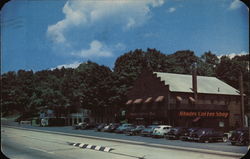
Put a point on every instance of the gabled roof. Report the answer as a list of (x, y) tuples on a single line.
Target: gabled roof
[(183, 83)]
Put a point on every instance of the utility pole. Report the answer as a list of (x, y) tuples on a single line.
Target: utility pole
[(242, 99)]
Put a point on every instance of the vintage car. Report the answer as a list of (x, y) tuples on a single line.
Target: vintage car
[(240, 136), (107, 128), (187, 135), (175, 133), (100, 126), (148, 130), (113, 127), (161, 130), (88, 126), (79, 126), (135, 131), (208, 135), (124, 127)]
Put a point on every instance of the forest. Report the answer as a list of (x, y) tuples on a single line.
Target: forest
[(95, 86)]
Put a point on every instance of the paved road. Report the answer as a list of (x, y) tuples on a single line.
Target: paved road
[(23, 144), (219, 146)]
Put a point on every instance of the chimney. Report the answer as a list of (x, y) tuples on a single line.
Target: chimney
[(194, 82)]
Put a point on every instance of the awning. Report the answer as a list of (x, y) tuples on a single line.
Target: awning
[(129, 102), (138, 101), (196, 119), (179, 98), (159, 99), (192, 99), (148, 100)]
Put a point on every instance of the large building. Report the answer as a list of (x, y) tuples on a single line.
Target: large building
[(183, 100)]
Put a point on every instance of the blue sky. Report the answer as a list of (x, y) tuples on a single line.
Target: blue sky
[(45, 34)]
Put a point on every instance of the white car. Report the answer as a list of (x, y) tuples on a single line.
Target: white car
[(161, 130)]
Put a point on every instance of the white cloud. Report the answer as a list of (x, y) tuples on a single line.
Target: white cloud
[(96, 49), (129, 13), (72, 65), (235, 4), (232, 55), (172, 9)]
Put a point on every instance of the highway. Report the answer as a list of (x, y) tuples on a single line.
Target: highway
[(26, 144)]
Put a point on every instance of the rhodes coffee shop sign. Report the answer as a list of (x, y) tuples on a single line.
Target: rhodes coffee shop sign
[(204, 114)]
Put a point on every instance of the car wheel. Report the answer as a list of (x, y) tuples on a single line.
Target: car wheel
[(233, 143)]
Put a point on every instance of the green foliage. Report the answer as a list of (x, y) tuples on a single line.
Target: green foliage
[(181, 62), (93, 86)]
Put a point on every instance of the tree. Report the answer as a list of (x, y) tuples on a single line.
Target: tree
[(207, 64), (181, 62)]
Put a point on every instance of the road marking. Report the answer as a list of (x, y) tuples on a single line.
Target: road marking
[(97, 147), (93, 147), (89, 146), (107, 149), (81, 145)]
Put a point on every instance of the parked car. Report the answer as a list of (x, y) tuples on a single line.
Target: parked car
[(106, 128), (88, 126), (135, 131), (148, 130), (161, 130), (208, 135), (100, 126), (240, 136), (79, 126), (187, 135), (124, 127), (176, 132), (112, 127)]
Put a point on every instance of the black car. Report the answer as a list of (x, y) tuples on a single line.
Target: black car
[(208, 135), (79, 126), (100, 126), (187, 135), (135, 131), (240, 136), (107, 128), (175, 133), (113, 127), (88, 126)]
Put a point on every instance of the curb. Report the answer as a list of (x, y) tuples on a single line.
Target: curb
[(93, 147), (221, 153)]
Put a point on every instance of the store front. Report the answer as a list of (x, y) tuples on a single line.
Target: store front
[(182, 100)]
